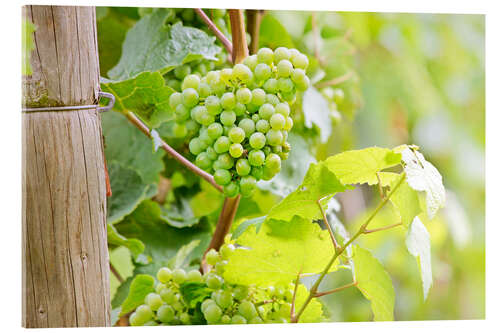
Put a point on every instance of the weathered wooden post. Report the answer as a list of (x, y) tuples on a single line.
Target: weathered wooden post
[(65, 255)]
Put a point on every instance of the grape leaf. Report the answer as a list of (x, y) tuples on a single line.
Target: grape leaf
[(314, 310), (179, 214), (240, 229), (146, 95), (151, 45), (318, 183), (273, 34), (179, 260), (361, 166), (28, 46), (419, 245), (141, 285), (279, 252), (374, 283), (423, 176), (135, 246), (194, 293), (317, 112), (111, 32), (404, 200)]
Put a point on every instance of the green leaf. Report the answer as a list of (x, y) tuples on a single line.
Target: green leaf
[(28, 45), (135, 246), (128, 191), (179, 260), (418, 243), (240, 229), (141, 286), (194, 293), (151, 45), (146, 95), (374, 283), (279, 252), (423, 176), (314, 310), (405, 199), (317, 112), (361, 166), (111, 32), (318, 183), (179, 214), (273, 34)]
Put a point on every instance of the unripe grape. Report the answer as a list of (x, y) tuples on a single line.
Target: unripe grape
[(184, 318), (266, 111), (222, 144), (178, 275), (300, 79), (288, 123), (240, 292), (274, 137), (231, 190), (212, 257), (255, 118), (182, 71), (204, 90), (190, 97), (178, 306), (282, 108), (206, 303), (243, 167), (272, 99), (213, 281), (220, 267), (164, 275), (174, 84), (238, 319), (174, 100), (168, 295), (277, 121), (247, 185), (203, 161), (214, 130), (218, 13), (190, 81), (227, 118), (258, 97), (262, 72), (271, 86), (212, 314), (179, 130), (226, 75), (247, 125), (247, 310), (284, 68), (134, 320), (256, 320), (265, 55), (222, 177), (159, 287), (257, 172), (289, 96), (285, 85), (300, 61), (226, 250), (243, 95), (194, 276), (225, 161), (205, 118), (281, 53), (256, 157), (239, 109), (236, 150), (225, 319), (153, 300), (251, 61), (257, 140), (236, 134), (213, 77), (262, 126), (181, 113), (242, 72), (224, 299), (144, 312), (228, 101), (211, 153), (273, 162)]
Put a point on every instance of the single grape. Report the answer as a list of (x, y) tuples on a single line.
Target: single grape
[(212, 257), (220, 267), (265, 55), (225, 161), (284, 68), (247, 310), (213, 281), (226, 250), (300, 79), (175, 99), (236, 150), (222, 144), (256, 157), (190, 81), (288, 124), (285, 85), (277, 121), (206, 303), (283, 109), (236, 134), (225, 319), (213, 77), (300, 61), (255, 118), (281, 53), (258, 97), (256, 320), (239, 109), (243, 95), (181, 113), (184, 318), (178, 275), (257, 171), (276, 149), (182, 71), (227, 118), (164, 275), (190, 97), (222, 177), (144, 313), (226, 75), (135, 320), (272, 99), (273, 162), (194, 276), (214, 130), (153, 300), (179, 130), (262, 126), (274, 137), (257, 140), (178, 306), (238, 319), (231, 190), (247, 185), (224, 299), (271, 86), (251, 61), (204, 90), (211, 153), (262, 72), (242, 72), (205, 118), (266, 111), (168, 295), (247, 125), (240, 292), (159, 287), (243, 167), (228, 101)]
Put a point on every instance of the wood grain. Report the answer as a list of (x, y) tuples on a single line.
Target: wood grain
[(65, 255)]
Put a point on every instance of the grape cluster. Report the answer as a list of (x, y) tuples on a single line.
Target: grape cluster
[(238, 119), (226, 303), (334, 96)]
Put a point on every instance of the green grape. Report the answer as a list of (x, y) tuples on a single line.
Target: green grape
[(224, 299), (204, 90), (285, 85), (272, 99), (288, 295), (225, 319), (184, 318), (204, 137), (143, 313), (239, 109), (213, 281), (277, 121), (271, 86), (276, 149), (228, 101), (168, 295), (256, 157), (134, 320), (220, 267), (182, 71), (267, 150), (247, 125), (281, 53), (243, 95), (206, 303), (257, 171), (300, 61), (238, 319), (289, 96), (222, 177), (236, 150), (222, 144), (190, 97), (255, 118), (217, 13), (159, 287), (226, 250), (190, 81), (273, 162), (293, 52), (227, 118), (154, 301), (242, 72), (178, 306), (174, 84), (214, 131), (236, 134), (283, 109), (300, 79), (251, 62), (225, 161), (274, 137), (243, 167), (227, 129), (211, 153), (164, 275), (257, 140), (179, 130), (181, 113), (205, 118), (262, 72), (178, 275), (231, 190), (247, 310), (256, 320), (212, 314), (265, 55), (240, 292), (262, 125), (192, 127), (283, 155), (266, 111), (213, 77), (202, 69), (247, 185), (212, 257), (258, 97), (338, 96), (288, 124), (284, 68), (175, 99), (226, 75), (194, 276)]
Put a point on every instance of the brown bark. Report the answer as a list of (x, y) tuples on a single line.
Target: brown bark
[(65, 255)]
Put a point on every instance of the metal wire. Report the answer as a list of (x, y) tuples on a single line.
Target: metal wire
[(108, 107)]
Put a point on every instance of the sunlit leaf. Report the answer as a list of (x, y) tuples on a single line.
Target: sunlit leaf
[(419, 245)]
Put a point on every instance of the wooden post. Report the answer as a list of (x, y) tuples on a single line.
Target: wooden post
[(65, 254)]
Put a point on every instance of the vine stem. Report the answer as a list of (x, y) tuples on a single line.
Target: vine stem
[(254, 18), (361, 231), (211, 25), (328, 226), (292, 308), (335, 80), (172, 152), (382, 228), (238, 32), (115, 273), (352, 284)]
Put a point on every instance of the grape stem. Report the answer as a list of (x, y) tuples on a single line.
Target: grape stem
[(172, 152), (352, 284), (328, 226), (292, 308), (211, 25), (115, 273), (335, 80), (362, 229), (366, 231), (254, 17), (238, 33)]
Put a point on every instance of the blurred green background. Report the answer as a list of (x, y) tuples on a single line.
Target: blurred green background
[(422, 81)]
